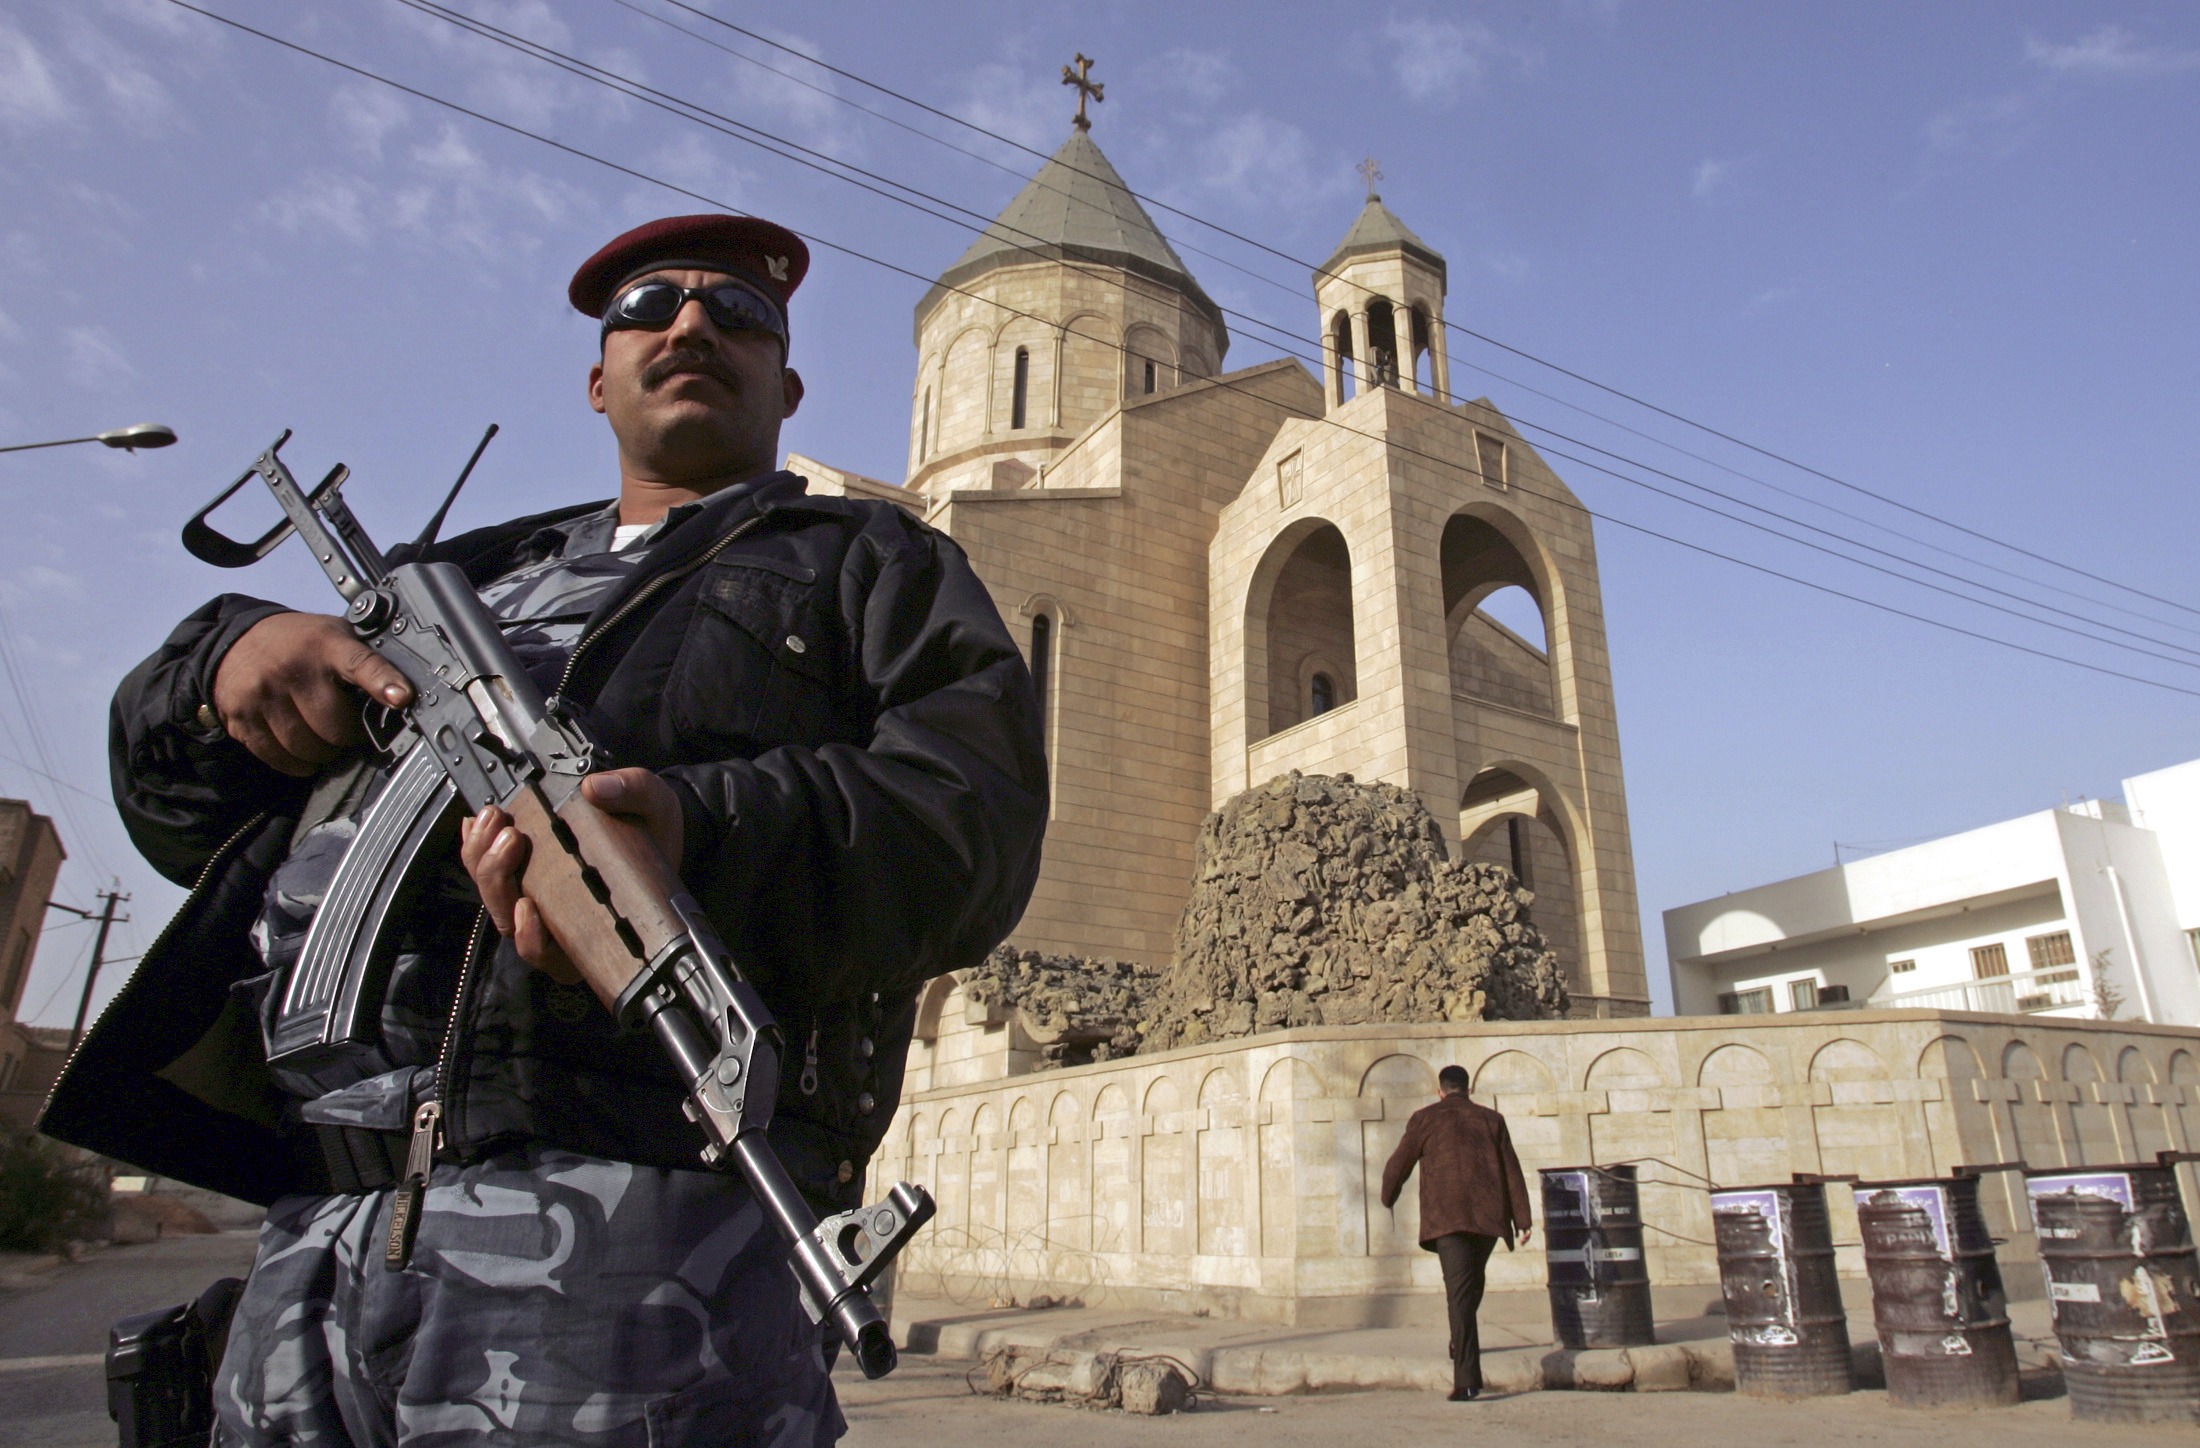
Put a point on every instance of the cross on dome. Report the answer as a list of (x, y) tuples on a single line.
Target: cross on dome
[(1087, 88)]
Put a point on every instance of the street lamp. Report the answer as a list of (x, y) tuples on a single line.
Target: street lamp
[(130, 439)]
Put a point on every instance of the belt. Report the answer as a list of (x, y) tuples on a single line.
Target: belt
[(350, 1160)]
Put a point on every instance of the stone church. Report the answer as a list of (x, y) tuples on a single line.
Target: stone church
[(1221, 576)]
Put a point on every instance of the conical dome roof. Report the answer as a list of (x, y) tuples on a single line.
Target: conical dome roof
[(1379, 229), (1075, 209)]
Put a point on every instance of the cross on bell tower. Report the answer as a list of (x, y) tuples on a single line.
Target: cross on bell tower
[(1371, 173), (1087, 88)]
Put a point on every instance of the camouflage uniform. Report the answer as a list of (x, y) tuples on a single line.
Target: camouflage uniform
[(551, 1296)]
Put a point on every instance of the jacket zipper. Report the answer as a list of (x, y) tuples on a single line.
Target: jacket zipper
[(642, 595), (198, 887), (429, 1129)]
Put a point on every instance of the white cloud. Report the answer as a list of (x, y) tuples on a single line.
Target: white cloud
[(1509, 266), (1995, 123), (31, 94), (94, 358), (1194, 77), (1014, 99), (1436, 59), (324, 203), (2108, 51), (801, 101), (701, 164), (1257, 160), (1711, 174), (365, 114)]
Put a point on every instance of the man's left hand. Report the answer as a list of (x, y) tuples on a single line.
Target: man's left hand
[(1527, 1234), (495, 855)]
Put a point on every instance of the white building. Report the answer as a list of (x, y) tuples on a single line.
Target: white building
[(2086, 910)]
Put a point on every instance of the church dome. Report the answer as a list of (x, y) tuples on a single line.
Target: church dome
[(1378, 229), (1075, 209)]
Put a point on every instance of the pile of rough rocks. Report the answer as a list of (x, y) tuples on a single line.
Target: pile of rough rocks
[(1076, 1009), (1317, 900)]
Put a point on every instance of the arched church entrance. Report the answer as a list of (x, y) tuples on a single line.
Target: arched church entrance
[(1307, 610), (1506, 820)]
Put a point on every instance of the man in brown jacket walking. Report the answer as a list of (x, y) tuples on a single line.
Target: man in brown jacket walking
[(1472, 1193)]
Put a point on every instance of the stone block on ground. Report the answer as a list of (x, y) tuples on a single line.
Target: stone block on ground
[(1660, 1369), (1144, 1385), (1508, 1372), (1711, 1366), (1151, 1389)]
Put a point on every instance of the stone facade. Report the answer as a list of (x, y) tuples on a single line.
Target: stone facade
[(1222, 578), (1241, 1176)]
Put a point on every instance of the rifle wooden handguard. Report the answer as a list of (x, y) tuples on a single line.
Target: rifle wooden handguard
[(602, 886)]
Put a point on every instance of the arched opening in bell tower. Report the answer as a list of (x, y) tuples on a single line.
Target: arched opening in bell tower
[(1312, 665), (1496, 620), (1341, 379), (1423, 369), (1506, 820), (1384, 358)]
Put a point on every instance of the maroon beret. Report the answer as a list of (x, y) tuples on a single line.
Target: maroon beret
[(768, 256)]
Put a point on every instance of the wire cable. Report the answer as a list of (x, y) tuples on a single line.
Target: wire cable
[(1465, 331), (855, 254), (980, 223)]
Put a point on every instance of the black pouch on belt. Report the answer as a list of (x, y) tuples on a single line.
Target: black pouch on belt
[(160, 1369)]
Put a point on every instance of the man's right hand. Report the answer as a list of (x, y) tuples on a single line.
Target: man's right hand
[(289, 690)]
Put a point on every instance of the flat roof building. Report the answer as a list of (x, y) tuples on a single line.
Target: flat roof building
[(2090, 910)]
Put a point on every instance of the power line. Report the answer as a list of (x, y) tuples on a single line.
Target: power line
[(1462, 330), (810, 158), (677, 189)]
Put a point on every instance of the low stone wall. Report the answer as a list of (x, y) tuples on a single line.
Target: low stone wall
[(1241, 1177)]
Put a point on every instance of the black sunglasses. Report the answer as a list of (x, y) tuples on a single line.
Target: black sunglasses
[(732, 307)]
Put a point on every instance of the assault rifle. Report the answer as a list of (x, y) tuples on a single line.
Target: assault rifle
[(479, 733)]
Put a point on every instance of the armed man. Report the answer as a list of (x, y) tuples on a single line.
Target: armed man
[(811, 707)]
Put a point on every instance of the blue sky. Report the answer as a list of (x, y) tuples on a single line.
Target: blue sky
[(1943, 252)]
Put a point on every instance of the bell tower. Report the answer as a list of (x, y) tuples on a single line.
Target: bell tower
[(1381, 295), (1347, 627)]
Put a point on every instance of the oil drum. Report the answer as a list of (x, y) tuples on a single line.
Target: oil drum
[(1592, 1247), (1783, 1299), (1937, 1297), (2122, 1284)]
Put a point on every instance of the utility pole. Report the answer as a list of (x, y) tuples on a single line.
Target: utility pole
[(107, 919)]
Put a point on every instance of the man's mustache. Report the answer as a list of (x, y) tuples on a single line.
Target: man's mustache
[(701, 363)]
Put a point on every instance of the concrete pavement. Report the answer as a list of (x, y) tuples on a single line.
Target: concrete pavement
[(1268, 1359)]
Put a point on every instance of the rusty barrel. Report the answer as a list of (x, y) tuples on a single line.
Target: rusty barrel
[(2122, 1284), (1592, 1246), (1783, 1300), (1937, 1298)]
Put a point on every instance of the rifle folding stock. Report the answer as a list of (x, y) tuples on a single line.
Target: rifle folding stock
[(479, 733)]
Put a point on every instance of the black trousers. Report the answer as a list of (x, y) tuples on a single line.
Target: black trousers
[(1465, 1255)]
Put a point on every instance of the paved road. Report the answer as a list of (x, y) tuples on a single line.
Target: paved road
[(927, 1405), (66, 1315)]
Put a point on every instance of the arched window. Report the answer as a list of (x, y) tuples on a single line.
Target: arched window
[(1021, 396), (1149, 379), (1321, 695), (1042, 661), (924, 428), (1340, 334)]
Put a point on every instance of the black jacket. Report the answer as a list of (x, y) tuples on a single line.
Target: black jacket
[(856, 742)]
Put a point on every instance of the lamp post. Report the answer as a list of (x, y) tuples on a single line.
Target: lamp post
[(130, 439)]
